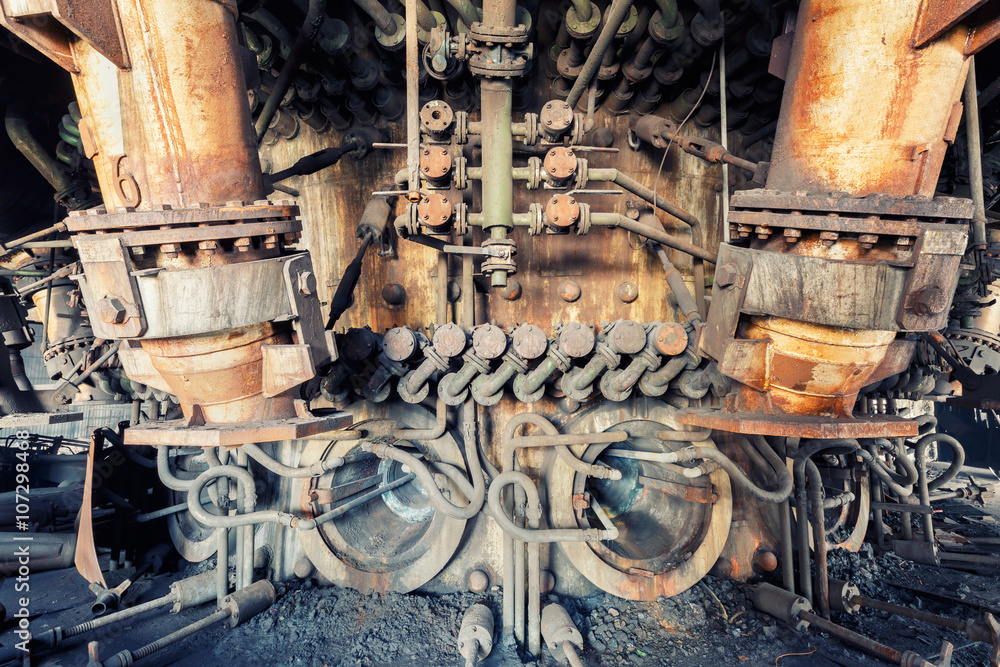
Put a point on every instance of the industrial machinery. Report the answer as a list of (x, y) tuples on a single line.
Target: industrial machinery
[(566, 296)]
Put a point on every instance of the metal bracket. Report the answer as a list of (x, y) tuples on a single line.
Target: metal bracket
[(307, 322), (107, 280)]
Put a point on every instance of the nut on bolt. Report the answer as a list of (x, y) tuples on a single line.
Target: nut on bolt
[(930, 301), (111, 310), (727, 275), (306, 283)]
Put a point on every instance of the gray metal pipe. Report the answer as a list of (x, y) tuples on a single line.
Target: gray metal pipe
[(613, 21), (303, 42), (25, 142), (974, 140), (315, 470), (379, 14), (612, 175)]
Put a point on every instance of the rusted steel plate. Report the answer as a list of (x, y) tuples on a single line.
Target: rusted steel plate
[(100, 220), (86, 552), (210, 233), (939, 207), (820, 428), (986, 31), (841, 225), (39, 419), (938, 16), (174, 433)]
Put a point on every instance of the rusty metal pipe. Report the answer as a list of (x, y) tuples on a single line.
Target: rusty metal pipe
[(300, 49), (315, 470), (908, 658), (612, 175), (619, 11), (652, 233), (821, 584), (974, 139), (440, 424), (884, 104)]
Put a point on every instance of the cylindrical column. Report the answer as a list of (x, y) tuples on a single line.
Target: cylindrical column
[(498, 144), (188, 135), (863, 111)]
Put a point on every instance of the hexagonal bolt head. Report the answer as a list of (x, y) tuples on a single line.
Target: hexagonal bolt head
[(930, 301), (727, 275), (111, 310), (306, 283)]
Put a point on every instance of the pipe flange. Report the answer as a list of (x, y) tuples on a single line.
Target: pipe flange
[(436, 119), (510, 67), (461, 132), (580, 182), (608, 72), (582, 29), (537, 224), (635, 75), (607, 383), (396, 40), (523, 395), (705, 32), (583, 226), (461, 219), (412, 397), (531, 133), (495, 34), (628, 25), (534, 173), (579, 129), (662, 34), (504, 263), (460, 173)]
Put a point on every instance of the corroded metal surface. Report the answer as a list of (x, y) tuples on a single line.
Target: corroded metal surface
[(869, 113), (799, 426)]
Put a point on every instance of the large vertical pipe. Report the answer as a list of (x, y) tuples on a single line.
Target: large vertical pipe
[(863, 111), (973, 136), (188, 131), (96, 86), (498, 146)]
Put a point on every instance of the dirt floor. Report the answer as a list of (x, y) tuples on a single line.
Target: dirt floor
[(712, 625)]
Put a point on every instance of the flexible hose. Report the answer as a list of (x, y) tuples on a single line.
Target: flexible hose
[(782, 478), (957, 462), (533, 511), (315, 470), (426, 478), (303, 41)]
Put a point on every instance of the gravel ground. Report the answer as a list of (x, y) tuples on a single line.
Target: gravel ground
[(713, 624)]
